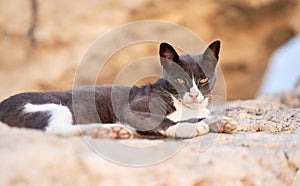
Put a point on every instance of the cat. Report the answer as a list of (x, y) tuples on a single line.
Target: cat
[(174, 106)]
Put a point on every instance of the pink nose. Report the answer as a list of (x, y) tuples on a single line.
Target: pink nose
[(194, 96)]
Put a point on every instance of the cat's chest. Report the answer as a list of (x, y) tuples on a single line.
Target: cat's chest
[(185, 112)]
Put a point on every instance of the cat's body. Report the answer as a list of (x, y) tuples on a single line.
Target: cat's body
[(178, 98)]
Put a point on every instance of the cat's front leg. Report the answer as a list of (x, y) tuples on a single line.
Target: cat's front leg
[(187, 129), (193, 128)]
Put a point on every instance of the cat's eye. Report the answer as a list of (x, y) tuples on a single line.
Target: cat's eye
[(180, 81), (203, 80)]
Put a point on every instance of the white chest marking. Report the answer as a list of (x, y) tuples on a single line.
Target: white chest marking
[(61, 117), (185, 112)]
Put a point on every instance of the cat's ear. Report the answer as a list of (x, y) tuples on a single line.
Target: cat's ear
[(167, 54), (212, 51)]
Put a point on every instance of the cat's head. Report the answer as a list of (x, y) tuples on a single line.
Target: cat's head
[(192, 75)]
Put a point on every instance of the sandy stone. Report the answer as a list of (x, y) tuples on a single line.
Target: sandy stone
[(247, 157), (287, 98)]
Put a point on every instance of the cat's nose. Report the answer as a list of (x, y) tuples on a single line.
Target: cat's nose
[(194, 96)]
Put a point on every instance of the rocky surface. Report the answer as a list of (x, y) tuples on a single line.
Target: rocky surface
[(42, 42), (264, 150), (288, 98)]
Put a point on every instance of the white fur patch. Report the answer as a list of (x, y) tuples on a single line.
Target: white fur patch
[(188, 111), (60, 122), (190, 108), (193, 91), (61, 117), (187, 130)]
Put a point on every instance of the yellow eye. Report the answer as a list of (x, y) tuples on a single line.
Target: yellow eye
[(204, 80), (180, 81)]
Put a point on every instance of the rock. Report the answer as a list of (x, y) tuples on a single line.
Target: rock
[(247, 157), (263, 116), (48, 39)]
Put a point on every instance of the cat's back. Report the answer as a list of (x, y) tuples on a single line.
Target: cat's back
[(15, 105), (34, 98)]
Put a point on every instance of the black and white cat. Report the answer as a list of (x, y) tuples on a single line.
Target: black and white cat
[(174, 106)]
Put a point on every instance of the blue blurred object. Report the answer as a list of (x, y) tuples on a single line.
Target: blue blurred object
[(284, 68)]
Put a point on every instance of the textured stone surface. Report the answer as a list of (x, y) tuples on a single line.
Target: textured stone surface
[(264, 116), (42, 42), (288, 98), (247, 157)]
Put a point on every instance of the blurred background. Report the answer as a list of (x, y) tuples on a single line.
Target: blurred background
[(42, 42)]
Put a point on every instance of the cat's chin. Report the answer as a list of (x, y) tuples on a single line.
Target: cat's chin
[(194, 103), (191, 102)]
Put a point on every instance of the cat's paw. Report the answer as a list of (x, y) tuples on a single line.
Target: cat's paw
[(112, 131), (187, 130), (221, 124)]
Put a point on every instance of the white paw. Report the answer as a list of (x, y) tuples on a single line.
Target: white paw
[(221, 124), (187, 130)]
